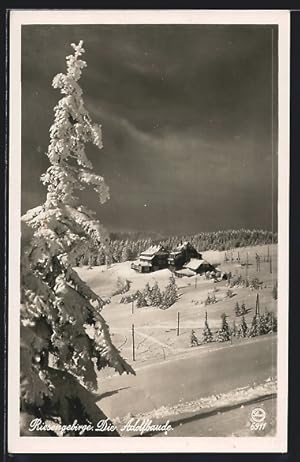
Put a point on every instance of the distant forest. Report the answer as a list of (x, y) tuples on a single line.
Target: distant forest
[(128, 246)]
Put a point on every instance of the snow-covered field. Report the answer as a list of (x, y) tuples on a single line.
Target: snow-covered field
[(219, 407), (237, 368), (155, 329), (185, 389)]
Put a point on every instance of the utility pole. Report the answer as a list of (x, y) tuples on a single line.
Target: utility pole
[(257, 305), (178, 318), (132, 307), (271, 265), (133, 343), (247, 263)]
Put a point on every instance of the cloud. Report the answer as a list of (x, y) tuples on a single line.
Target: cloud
[(185, 114)]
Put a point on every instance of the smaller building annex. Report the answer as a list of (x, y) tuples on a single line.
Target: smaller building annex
[(194, 266)]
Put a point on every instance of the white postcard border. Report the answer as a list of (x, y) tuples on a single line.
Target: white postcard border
[(17, 444)]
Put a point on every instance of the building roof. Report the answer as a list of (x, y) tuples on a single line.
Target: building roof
[(152, 250), (181, 247), (194, 264), (185, 272), (144, 257)]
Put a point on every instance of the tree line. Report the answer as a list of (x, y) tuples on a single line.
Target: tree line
[(120, 249), (261, 324)]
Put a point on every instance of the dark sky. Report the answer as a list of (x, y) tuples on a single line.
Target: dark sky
[(186, 115)]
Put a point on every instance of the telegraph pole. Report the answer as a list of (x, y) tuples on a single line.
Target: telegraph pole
[(257, 305), (133, 343)]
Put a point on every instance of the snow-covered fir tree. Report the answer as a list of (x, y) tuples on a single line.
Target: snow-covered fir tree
[(170, 294), (194, 339), (243, 309), (147, 294), (257, 326), (100, 259), (156, 296), (140, 299), (268, 322), (272, 322), (91, 262), (126, 253), (56, 305), (224, 332), (237, 309), (242, 330), (234, 329), (207, 336)]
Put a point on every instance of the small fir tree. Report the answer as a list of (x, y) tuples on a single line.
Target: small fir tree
[(91, 261), (207, 335), (170, 294), (243, 309), (126, 254), (194, 339), (81, 261), (273, 322), (257, 326), (108, 258), (140, 299), (100, 257), (147, 294), (234, 329), (270, 321), (156, 297), (237, 309), (242, 330), (264, 326), (224, 333)]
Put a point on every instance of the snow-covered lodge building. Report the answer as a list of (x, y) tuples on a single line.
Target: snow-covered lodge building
[(181, 255), (184, 260), (194, 266), (152, 259)]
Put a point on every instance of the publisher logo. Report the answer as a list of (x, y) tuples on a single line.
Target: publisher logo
[(257, 419), (258, 414)]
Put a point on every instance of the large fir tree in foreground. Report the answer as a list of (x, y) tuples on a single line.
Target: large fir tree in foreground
[(60, 315)]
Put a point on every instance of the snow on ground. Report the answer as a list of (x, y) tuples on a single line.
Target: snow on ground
[(190, 377), (234, 421), (207, 407), (155, 329), (177, 381)]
